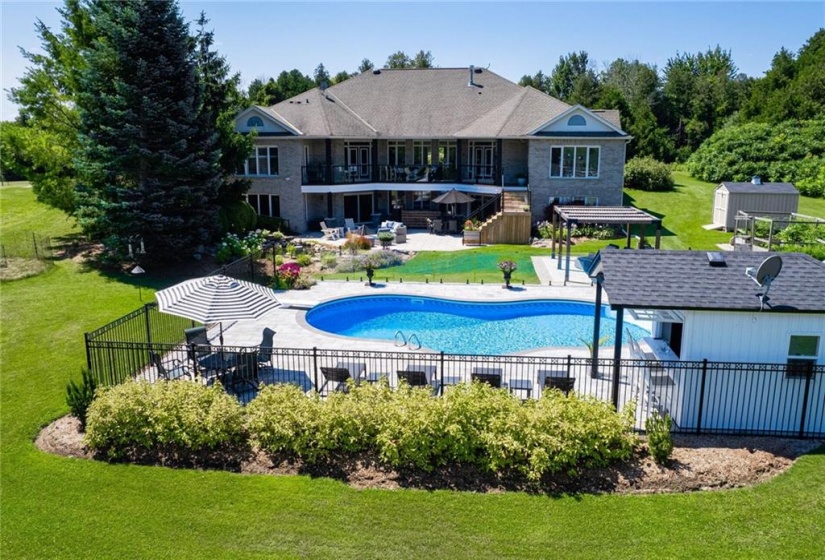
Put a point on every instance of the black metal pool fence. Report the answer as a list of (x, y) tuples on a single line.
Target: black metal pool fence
[(701, 397)]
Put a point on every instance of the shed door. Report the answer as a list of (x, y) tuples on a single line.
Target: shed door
[(720, 207)]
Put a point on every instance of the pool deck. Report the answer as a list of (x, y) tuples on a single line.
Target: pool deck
[(292, 331)]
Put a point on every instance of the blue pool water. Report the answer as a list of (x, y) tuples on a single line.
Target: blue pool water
[(460, 327)]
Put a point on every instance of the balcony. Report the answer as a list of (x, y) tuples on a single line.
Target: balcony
[(348, 174)]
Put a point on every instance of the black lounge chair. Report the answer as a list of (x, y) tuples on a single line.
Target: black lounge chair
[(563, 384), (490, 376), (338, 375), (413, 378)]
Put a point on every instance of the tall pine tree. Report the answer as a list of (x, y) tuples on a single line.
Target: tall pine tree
[(150, 155)]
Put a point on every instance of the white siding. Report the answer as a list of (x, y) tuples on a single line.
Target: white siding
[(746, 337)]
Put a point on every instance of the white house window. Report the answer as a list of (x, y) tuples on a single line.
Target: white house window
[(263, 161), (802, 353), (576, 120), (265, 204), (255, 122), (574, 161)]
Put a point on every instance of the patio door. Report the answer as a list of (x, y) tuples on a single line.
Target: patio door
[(359, 207), (482, 155), (358, 162)]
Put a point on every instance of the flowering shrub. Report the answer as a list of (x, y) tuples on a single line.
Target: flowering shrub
[(287, 274), (472, 225), (507, 266), (234, 247)]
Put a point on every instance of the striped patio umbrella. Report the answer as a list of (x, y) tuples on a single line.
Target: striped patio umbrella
[(213, 299)]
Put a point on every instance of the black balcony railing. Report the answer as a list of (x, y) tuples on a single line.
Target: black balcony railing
[(700, 397), (346, 174)]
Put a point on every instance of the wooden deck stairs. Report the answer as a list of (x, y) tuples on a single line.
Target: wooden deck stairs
[(513, 224)]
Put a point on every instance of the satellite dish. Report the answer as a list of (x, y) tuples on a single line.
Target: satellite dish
[(767, 272)]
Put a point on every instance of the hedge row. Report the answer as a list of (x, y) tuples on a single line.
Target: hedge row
[(407, 428)]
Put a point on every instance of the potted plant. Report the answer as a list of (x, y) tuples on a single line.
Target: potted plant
[(472, 233), (385, 238), (507, 267)]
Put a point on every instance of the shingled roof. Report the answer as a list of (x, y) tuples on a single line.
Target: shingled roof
[(423, 103), (649, 279)]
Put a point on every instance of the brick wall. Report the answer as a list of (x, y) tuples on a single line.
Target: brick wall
[(287, 185), (607, 187)]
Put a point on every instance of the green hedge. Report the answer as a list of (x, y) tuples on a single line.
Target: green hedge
[(178, 422), (471, 424), (791, 151)]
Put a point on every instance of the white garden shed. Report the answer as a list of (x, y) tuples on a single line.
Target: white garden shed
[(754, 197)]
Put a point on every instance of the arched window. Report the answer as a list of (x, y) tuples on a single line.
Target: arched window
[(576, 120), (254, 122)]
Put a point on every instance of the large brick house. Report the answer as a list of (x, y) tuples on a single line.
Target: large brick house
[(389, 141)]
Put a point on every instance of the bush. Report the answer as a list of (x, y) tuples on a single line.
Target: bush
[(304, 260), (647, 174), (355, 243), (234, 247), (286, 275), (385, 238), (278, 225), (470, 425), (789, 151), (329, 260), (79, 397), (237, 217), (178, 422), (659, 440)]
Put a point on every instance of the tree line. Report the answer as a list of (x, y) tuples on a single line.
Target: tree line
[(127, 118)]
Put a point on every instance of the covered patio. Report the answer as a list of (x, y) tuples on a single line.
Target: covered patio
[(569, 216)]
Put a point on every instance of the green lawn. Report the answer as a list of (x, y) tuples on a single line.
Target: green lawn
[(52, 507), (473, 265)]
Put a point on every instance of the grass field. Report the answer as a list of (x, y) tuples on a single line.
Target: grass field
[(52, 507)]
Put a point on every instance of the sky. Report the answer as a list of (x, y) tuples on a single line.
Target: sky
[(261, 39)]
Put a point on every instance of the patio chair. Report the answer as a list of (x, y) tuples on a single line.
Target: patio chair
[(338, 375), (438, 226), (329, 232), (198, 343), (491, 376), (563, 384), (245, 374), (265, 347), (417, 375), (349, 223), (171, 370)]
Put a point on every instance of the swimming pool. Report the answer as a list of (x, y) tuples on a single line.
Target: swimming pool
[(464, 327)]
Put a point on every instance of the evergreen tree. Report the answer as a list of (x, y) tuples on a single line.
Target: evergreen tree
[(321, 76), (150, 155)]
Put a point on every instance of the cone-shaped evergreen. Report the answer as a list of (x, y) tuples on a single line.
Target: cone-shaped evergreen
[(150, 157)]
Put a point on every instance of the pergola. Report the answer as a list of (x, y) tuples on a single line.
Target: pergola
[(625, 215)]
